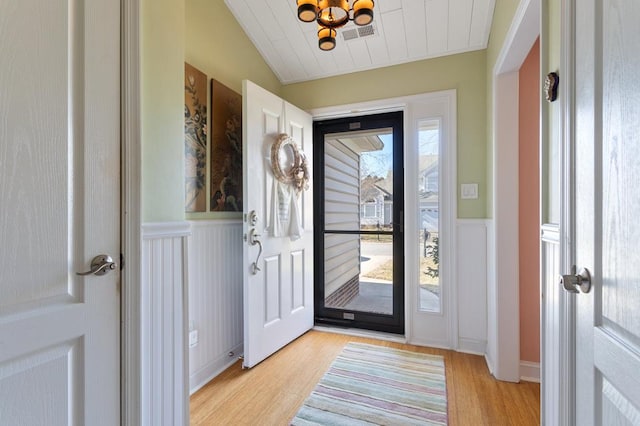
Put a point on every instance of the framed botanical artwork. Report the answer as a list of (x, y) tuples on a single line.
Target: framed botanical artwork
[(195, 139), (226, 149)]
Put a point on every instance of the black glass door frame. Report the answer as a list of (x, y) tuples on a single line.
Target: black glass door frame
[(391, 323)]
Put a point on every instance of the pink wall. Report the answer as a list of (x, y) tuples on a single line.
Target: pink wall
[(529, 205)]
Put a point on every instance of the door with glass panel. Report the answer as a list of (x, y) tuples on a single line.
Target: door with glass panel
[(359, 200), (430, 170)]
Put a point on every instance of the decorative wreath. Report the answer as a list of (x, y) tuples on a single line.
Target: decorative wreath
[(298, 174)]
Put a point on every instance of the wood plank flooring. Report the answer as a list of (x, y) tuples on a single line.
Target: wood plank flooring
[(271, 393)]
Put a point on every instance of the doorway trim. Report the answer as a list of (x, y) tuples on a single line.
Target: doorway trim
[(407, 104), (563, 363), (131, 162), (503, 349)]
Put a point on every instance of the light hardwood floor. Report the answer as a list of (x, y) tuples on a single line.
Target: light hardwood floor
[(271, 392)]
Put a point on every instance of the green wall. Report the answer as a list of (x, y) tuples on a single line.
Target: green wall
[(550, 61), (502, 16), (162, 104), (204, 33), (550, 51), (216, 45), (464, 72)]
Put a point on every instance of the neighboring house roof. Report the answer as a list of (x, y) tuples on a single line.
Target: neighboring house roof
[(374, 187), (373, 193), (387, 195), (386, 184), (428, 164), (429, 197)]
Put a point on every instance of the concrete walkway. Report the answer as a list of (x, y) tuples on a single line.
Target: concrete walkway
[(377, 297)]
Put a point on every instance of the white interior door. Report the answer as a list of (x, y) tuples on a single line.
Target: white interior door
[(607, 119), (278, 296), (59, 207)]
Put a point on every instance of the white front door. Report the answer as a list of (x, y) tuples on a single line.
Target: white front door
[(278, 270), (59, 207), (607, 241)]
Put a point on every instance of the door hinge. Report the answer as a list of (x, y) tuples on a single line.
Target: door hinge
[(121, 261)]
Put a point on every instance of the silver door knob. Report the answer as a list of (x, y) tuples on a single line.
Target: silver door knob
[(100, 265), (253, 240), (574, 283)]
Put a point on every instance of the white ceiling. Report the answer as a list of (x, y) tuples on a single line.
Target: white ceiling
[(404, 31)]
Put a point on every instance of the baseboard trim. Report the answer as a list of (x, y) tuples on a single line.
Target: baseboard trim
[(487, 359), (211, 370), (530, 371), (472, 346)]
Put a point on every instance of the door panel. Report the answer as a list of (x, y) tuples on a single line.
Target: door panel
[(23, 380), (607, 209), (278, 298), (59, 207), (297, 278), (34, 137), (359, 242)]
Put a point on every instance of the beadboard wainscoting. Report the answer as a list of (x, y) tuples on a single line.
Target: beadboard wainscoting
[(215, 298), (556, 312), (163, 316), (471, 253), (215, 293)]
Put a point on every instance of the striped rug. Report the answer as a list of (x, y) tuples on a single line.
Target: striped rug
[(375, 385)]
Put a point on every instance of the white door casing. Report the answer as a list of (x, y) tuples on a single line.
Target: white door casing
[(607, 210), (59, 207), (423, 328), (278, 299)]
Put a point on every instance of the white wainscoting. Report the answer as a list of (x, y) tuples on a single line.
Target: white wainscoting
[(555, 310), (471, 252), (215, 293), (163, 317), (215, 298), (492, 321)]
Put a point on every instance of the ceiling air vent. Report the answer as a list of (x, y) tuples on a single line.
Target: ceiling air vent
[(365, 31), (355, 33), (350, 34)]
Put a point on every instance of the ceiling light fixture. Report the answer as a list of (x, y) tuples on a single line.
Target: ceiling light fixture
[(333, 14)]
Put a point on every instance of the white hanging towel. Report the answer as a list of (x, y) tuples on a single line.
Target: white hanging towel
[(285, 213)]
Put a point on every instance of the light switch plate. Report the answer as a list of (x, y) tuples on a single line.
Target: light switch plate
[(469, 191)]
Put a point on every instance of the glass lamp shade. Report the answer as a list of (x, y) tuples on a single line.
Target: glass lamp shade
[(333, 13), (326, 38), (307, 10), (363, 12)]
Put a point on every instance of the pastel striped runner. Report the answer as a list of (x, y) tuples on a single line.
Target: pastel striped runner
[(376, 385)]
